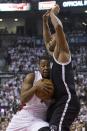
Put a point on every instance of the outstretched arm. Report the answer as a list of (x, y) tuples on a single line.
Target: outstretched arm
[(46, 30), (61, 42)]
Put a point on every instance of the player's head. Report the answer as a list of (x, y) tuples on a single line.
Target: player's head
[(52, 43), (44, 67)]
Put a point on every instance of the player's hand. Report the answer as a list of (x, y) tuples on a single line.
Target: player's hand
[(40, 85), (46, 16), (55, 9), (48, 85), (44, 89), (44, 85)]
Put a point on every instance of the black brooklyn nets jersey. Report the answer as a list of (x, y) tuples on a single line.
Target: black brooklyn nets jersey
[(63, 79)]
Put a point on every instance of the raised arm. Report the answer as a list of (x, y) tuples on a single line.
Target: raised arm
[(27, 91), (61, 42), (46, 29)]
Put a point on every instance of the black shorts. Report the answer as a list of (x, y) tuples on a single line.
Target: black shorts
[(60, 115)]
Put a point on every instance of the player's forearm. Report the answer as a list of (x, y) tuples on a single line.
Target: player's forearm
[(55, 20), (46, 32), (26, 95)]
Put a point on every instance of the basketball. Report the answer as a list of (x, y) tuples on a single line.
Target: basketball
[(47, 92)]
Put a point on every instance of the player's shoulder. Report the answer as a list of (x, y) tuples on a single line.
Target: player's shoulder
[(63, 59), (29, 77)]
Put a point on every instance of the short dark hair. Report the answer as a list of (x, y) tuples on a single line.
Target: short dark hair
[(44, 57)]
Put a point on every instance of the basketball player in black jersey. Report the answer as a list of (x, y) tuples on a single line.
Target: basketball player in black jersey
[(66, 107)]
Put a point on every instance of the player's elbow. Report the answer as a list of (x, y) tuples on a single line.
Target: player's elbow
[(23, 98), (59, 28)]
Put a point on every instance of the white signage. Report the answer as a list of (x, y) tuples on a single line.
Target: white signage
[(14, 7), (75, 3), (46, 5)]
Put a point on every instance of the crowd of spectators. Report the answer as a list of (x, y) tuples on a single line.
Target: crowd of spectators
[(23, 59), (9, 99), (13, 1), (79, 57)]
